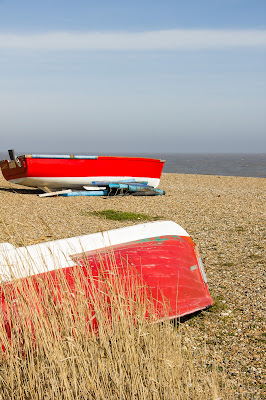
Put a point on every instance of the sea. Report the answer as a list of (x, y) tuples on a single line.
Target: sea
[(246, 165)]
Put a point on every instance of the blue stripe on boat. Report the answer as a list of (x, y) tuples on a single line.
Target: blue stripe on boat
[(86, 157), (85, 193), (64, 156)]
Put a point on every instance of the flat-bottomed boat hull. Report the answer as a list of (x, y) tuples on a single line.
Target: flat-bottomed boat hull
[(57, 172)]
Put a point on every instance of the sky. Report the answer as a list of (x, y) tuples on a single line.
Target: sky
[(150, 76)]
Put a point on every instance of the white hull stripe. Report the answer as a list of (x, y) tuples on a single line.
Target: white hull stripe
[(78, 182), (43, 257)]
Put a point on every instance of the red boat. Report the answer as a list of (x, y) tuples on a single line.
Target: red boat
[(161, 253), (76, 171)]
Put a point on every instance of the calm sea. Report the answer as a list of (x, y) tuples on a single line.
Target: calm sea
[(249, 165)]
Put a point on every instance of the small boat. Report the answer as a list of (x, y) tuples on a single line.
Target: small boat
[(161, 253), (77, 171)]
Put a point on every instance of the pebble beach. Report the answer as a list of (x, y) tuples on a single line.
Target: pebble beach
[(225, 216)]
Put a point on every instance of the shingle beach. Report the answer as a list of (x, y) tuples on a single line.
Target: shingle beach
[(225, 216)]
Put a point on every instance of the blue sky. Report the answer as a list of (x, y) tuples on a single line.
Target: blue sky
[(142, 76)]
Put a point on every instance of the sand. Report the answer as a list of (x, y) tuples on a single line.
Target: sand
[(225, 216)]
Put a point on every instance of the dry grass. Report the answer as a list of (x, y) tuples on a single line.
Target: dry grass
[(226, 217), (97, 340)]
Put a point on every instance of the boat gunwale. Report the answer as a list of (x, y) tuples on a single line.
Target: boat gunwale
[(86, 157)]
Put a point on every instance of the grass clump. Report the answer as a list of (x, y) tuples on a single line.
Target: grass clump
[(240, 229), (82, 338), (219, 305), (123, 216)]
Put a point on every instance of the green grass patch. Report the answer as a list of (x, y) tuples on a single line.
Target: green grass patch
[(240, 229), (227, 264), (122, 216), (218, 305)]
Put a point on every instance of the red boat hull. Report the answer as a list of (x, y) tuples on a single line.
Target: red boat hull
[(167, 266), (165, 269), (71, 172)]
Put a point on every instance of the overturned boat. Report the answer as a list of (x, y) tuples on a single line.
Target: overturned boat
[(78, 171), (161, 255)]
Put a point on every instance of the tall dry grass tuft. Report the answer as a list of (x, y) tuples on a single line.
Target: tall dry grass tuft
[(76, 337)]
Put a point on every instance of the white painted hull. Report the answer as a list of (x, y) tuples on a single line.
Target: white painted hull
[(77, 182)]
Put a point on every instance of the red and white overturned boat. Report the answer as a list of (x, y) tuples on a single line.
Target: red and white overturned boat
[(161, 252), (76, 171)]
